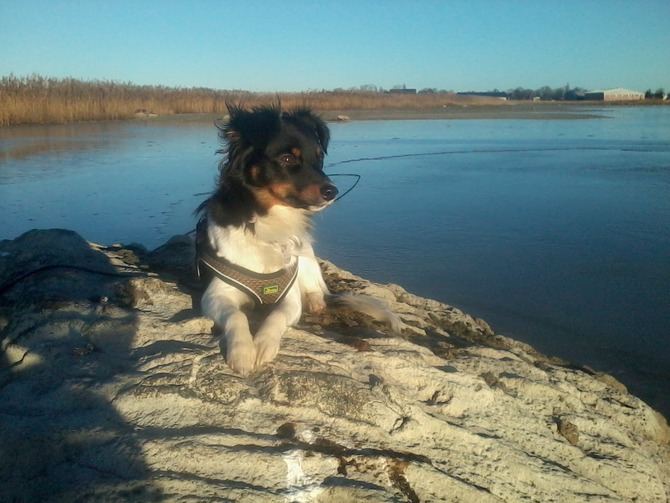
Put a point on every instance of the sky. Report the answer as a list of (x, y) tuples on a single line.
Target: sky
[(277, 46)]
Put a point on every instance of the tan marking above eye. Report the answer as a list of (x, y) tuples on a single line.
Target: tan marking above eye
[(295, 151), (254, 172)]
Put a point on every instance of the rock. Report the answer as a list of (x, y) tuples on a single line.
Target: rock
[(142, 113), (113, 388)]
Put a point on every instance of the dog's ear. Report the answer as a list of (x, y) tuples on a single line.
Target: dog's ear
[(226, 132), (249, 128), (322, 132), (314, 123)]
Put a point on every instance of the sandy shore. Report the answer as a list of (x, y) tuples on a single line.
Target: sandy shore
[(504, 110)]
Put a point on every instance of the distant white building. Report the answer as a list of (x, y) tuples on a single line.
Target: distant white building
[(618, 94)]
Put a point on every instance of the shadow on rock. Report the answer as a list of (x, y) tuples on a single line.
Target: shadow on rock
[(66, 344)]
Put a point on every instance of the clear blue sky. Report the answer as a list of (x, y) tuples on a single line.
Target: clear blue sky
[(300, 45)]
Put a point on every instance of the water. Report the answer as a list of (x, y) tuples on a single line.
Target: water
[(556, 232), (111, 182)]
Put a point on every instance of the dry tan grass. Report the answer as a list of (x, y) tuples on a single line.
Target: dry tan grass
[(40, 100)]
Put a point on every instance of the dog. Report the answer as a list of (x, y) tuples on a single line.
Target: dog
[(254, 242)]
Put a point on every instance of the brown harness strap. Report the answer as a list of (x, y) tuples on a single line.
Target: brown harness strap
[(267, 288)]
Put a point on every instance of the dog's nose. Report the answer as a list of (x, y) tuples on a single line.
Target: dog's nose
[(329, 191)]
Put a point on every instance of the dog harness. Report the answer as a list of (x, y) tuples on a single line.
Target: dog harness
[(267, 288)]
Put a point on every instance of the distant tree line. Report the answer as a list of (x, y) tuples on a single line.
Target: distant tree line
[(658, 95), (565, 93), (544, 93)]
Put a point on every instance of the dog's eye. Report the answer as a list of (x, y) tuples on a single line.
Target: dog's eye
[(288, 159)]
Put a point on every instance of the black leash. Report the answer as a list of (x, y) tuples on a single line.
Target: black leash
[(358, 179), (11, 283)]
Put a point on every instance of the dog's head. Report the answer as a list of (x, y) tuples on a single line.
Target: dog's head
[(278, 156)]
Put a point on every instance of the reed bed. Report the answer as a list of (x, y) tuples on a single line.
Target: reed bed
[(41, 100)]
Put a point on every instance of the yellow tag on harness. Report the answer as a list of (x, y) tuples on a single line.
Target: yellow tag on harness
[(271, 289)]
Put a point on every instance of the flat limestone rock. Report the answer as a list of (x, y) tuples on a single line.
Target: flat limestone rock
[(113, 387)]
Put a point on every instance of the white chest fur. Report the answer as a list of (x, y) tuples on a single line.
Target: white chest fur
[(275, 241)]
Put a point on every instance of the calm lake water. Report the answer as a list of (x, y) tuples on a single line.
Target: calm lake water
[(557, 232)]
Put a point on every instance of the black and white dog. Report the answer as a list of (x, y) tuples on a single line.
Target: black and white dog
[(254, 239)]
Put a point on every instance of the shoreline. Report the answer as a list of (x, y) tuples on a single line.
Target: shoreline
[(178, 269), (513, 110), (507, 111), (479, 111)]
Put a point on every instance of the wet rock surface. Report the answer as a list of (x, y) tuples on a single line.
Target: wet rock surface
[(113, 387)]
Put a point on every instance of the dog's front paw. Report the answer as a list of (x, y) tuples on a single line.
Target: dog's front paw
[(241, 356), (314, 303), (267, 347)]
